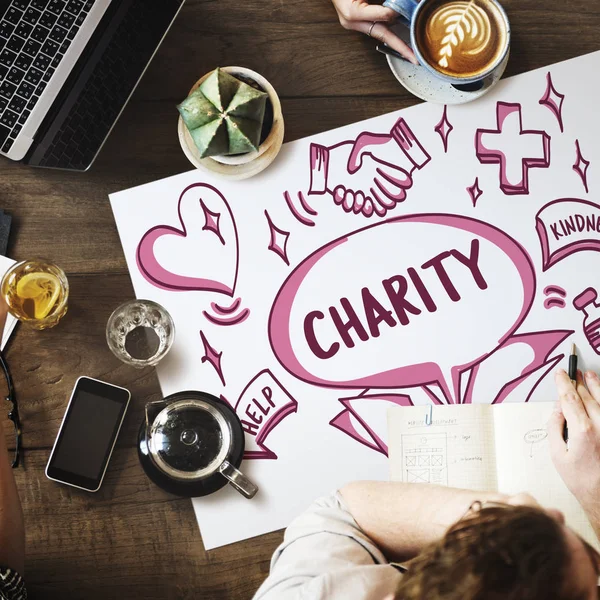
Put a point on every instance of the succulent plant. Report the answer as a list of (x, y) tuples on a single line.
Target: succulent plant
[(224, 115)]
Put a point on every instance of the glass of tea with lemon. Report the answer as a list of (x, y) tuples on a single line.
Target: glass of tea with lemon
[(36, 293)]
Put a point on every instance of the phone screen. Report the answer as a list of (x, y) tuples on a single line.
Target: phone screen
[(88, 434)]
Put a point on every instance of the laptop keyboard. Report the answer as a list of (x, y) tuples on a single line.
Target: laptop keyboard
[(74, 139), (34, 36)]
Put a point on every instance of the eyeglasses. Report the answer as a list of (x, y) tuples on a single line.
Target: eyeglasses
[(13, 413), (478, 505)]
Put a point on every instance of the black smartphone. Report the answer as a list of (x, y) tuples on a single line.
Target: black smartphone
[(88, 433)]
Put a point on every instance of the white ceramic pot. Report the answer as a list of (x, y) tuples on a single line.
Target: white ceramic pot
[(240, 166)]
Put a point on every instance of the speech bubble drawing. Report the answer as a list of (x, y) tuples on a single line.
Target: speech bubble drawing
[(415, 300), (566, 226), (535, 436)]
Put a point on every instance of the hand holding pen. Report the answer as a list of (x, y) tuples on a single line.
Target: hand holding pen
[(573, 377), (578, 463)]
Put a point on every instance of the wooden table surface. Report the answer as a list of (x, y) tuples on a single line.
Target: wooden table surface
[(132, 540)]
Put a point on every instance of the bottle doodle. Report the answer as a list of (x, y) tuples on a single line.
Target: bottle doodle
[(586, 302)]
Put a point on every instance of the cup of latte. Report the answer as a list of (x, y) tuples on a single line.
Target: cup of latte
[(459, 41)]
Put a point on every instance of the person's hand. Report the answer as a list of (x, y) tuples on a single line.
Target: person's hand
[(359, 15), (578, 461)]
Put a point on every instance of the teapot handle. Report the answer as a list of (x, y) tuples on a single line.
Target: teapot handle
[(238, 480)]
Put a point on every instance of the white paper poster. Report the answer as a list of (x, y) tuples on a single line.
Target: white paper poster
[(432, 255)]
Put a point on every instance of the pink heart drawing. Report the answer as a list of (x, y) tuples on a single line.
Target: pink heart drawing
[(209, 200)]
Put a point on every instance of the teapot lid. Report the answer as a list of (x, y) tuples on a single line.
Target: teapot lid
[(189, 439)]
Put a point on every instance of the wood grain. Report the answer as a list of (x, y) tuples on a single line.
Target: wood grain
[(131, 540), (45, 364), (302, 50)]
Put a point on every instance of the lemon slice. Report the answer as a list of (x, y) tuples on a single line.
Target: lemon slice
[(43, 289)]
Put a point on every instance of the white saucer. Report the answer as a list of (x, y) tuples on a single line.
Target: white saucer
[(421, 83)]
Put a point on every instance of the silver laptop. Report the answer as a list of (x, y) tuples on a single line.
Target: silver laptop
[(67, 69)]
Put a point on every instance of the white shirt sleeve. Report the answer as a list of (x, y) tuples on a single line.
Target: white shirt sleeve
[(326, 556)]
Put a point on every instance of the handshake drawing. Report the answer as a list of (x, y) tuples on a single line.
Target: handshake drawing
[(368, 175)]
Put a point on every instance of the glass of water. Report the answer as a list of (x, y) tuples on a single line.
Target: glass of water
[(140, 333)]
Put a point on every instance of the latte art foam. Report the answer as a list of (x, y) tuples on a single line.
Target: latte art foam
[(466, 26), (461, 38)]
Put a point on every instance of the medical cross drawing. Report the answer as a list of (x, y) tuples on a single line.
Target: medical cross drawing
[(514, 149)]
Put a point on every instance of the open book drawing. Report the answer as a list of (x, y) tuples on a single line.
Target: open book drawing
[(501, 448)]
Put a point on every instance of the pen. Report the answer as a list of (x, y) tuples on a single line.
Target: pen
[(385, 49), (573, 364), (573, 378)]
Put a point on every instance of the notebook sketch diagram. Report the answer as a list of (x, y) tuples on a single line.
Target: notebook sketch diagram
[(425, 458), (493, 448)]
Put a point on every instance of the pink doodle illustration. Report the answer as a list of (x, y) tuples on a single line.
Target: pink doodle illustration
[(587, 303), (352, 423), (226, 310), (555, 297), (224, 315), (387, 161), (581, 166), (305, 206), (278, 239), (340, 331), (227, 319), (566, 226), (444, 127), (521, 379), (433, 256), (553, 100), (212, 357), (263, 404), (171, 258), (211, 222), (542, 344), (347, 422), (514, 149), (433, 397), (193, 205), (475, 192)]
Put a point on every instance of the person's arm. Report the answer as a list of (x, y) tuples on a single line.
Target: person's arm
[(578, 460), (402, 518), (325, 554), (12, 530), (341, 546)]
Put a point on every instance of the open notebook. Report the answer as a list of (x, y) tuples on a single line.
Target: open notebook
[(500, 447)]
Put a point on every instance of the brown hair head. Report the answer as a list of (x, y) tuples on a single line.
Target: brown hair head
[(496, 553)]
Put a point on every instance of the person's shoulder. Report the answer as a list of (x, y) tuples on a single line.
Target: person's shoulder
[(327, 513)]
